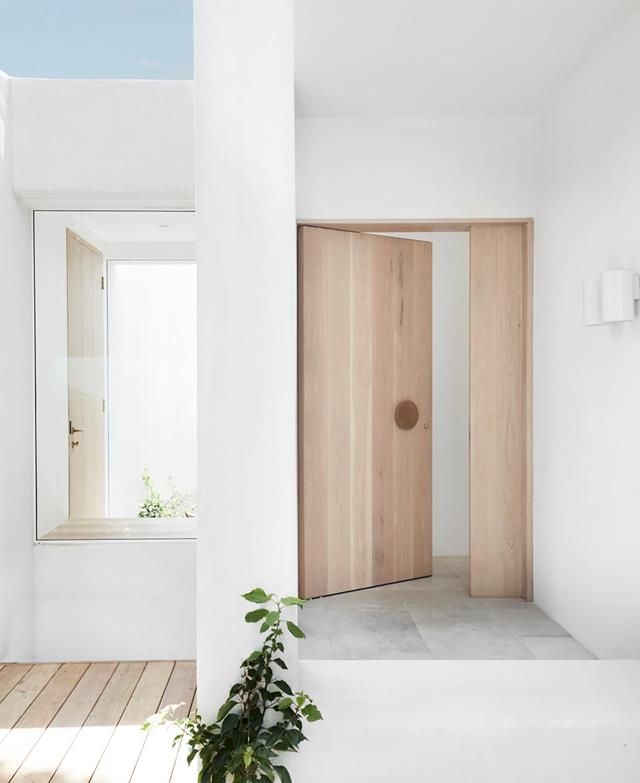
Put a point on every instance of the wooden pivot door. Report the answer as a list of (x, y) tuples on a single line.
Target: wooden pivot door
[(498, 384), (87, 371), (364, 457)]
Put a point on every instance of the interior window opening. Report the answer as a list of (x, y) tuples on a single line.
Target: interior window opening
[(115, 374)]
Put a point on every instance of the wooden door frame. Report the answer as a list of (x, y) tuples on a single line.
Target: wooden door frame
[(378, 225)]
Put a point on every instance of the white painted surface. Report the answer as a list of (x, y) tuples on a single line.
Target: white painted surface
[(587, 380), (246, 254), (16, 411), (481, 721), (450, 394), (151, 395), (428, 58), (128, 141), (438, 168), (114, 601), (142, 227), (450, 407)]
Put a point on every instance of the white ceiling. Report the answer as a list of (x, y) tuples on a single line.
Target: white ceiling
[(421, 58), (140, 226)]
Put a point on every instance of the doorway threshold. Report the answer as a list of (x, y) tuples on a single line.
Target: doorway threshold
[(432, 618)]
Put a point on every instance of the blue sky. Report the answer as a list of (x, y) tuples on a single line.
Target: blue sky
[(133, 39)]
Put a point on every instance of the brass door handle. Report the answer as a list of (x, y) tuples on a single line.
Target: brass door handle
[(73, 430)]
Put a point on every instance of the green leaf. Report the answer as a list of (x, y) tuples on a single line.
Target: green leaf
[(312, 713), (257, 596), (256, 615), (284, 686), (283, 774), (284, 703), (254, 656), (293, 601), (270, 619), (267, 773), (225, 709), (230, 723), (294, 630), (279, 662)]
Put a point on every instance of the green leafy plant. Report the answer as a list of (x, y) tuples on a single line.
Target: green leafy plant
[(154, 505), (262, 716)]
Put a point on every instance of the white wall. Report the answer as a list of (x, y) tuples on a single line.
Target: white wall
[(370, 168), (120, 600), (587, 380), (152, 373), (16, 410), (450, 384), (123, 141), (481, 721), (246, 246), (450, 394)]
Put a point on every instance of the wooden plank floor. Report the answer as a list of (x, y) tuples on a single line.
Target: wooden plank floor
[(80, 722)]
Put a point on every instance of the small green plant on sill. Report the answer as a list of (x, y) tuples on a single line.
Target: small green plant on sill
[(262, 716), (154, 505)]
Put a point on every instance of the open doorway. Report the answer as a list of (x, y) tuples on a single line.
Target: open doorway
[(447, 556)]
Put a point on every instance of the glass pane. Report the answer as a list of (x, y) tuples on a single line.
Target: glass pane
[(152, 345), (115, 375)]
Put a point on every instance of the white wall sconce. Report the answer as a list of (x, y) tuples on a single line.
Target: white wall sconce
[(610, 297)]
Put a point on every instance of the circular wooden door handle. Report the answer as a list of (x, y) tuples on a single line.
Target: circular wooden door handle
[(406, 415)]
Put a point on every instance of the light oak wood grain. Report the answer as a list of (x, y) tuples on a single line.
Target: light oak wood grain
[(132, 529), (119, 759), (182, 771), (10, 676), (528, 371), (31, 726), (19, 699), (93, 738), (365, 345), (45, 758), (498, 411), (84, 723), (383, 225), (87, 379), (158, 756)]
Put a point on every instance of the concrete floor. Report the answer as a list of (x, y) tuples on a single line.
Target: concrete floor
[(432, 618)]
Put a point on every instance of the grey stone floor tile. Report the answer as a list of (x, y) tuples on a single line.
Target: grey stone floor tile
[(433, 617), (357, 633), (556, 648), (473, 641)]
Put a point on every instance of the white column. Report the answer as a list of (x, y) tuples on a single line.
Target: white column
[(16, 411), (245, 202)]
